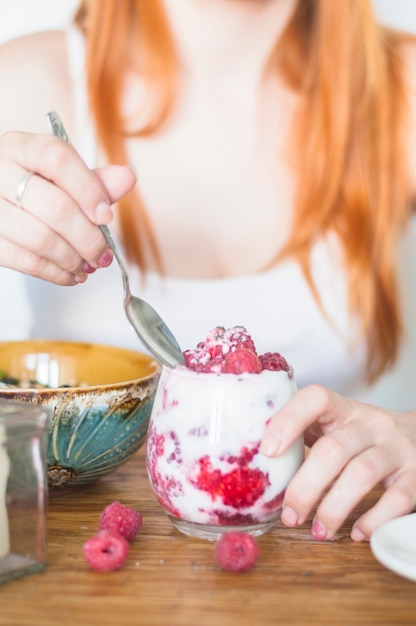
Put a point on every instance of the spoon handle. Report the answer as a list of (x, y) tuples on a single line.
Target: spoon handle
[(109, 238), (58, 128)]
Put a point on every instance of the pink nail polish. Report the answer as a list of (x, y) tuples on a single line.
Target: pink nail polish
[(318, 531), (106, 259), (87, 268)]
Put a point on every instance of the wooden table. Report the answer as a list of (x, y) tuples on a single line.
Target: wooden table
[(172, 580)]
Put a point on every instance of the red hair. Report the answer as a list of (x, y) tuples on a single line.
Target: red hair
[(349, 152)]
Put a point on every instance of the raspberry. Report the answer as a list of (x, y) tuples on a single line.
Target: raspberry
[(193, 358), (236, 551), (242, 360), (239, 337), (106, 551), (121, 519), (214, 336), (274, 361)]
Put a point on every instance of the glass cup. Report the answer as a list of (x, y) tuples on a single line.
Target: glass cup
[(202, 452), (23, 489)]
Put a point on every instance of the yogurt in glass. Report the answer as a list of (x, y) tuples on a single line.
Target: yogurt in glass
[(203, 457)]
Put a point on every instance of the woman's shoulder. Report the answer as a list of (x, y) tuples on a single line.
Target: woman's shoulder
[(36, 42), (33, 78)]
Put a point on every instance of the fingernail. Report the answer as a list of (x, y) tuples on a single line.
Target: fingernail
[(106, 259), (80, 278), (87, 268), (357, 535), (270, 444), (103, 213), (288, 516), (318, 531)]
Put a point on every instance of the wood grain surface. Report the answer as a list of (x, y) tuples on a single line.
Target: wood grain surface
[(173, 580)]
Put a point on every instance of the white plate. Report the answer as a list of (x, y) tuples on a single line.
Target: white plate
[(394, 545)]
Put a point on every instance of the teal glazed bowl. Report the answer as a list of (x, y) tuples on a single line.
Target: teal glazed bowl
[(99, 400)]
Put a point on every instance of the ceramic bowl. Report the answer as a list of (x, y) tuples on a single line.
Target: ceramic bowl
[(99, 400)]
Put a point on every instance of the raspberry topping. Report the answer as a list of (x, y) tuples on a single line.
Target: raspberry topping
[(106, 551), (274, 361), (236, 551), (242, 360), (121, 519), (232, 351)]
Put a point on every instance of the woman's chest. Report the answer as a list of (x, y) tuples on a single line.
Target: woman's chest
[(217, 188)]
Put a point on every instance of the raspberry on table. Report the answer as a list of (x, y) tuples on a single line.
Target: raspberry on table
[(121, 519), (236, 551), (106, 551)]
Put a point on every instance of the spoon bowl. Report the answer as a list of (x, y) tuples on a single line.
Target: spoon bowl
[(147, 323)]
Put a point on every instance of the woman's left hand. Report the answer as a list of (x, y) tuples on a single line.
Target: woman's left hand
[(353, 447)]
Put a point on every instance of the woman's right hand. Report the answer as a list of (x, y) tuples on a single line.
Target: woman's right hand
[(52, 232)]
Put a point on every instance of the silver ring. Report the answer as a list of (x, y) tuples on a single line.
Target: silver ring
[(21, 188)]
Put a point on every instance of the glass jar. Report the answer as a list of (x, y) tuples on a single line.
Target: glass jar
[(203, 457), (23, 489)]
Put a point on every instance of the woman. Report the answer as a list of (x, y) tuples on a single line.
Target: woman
[(275, 182)]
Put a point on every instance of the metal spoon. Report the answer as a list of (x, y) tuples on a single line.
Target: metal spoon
[(147, 323)]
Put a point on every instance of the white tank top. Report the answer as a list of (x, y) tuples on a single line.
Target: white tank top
[(277, 306)]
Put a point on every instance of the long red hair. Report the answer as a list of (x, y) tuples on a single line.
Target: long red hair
[(349, 142)]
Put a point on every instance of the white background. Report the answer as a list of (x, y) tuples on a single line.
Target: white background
[(398, 388)]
